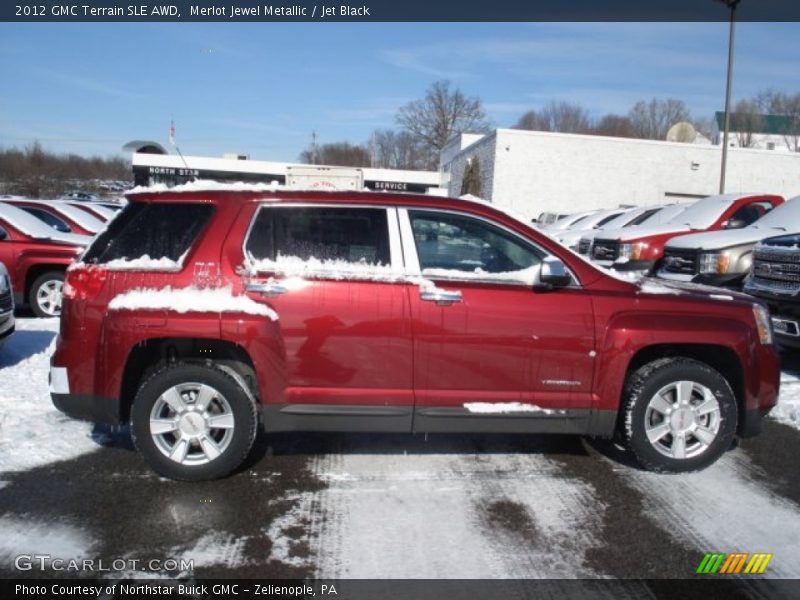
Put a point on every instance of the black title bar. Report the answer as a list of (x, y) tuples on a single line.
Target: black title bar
[(398, 11)]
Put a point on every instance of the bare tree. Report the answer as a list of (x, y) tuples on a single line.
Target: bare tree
[(614, 126), (441, 114), (747, 122), (340, 154), (651, 120), (560, 116), (392, 149), (787, 106)]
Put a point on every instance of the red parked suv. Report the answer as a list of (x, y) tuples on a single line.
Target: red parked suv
[(199, 316), (36, 256)]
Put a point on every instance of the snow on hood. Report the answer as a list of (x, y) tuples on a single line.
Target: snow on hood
[(36, 229), (640, 231), (190, 299), (572, 237), (716, 240)]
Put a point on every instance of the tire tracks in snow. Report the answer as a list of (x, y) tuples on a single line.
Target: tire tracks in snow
[(437, 509)]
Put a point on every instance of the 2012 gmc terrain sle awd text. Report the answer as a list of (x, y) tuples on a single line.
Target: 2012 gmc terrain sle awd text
[(202, 313)]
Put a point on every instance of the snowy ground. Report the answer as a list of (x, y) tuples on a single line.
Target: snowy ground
[(388, 506)]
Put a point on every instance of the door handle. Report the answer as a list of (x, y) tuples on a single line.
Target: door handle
[(268, 288), (441, 297)]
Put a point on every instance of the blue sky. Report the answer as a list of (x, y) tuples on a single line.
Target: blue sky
[(262, 88)]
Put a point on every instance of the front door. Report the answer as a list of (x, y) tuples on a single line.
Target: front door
[(485, 343)]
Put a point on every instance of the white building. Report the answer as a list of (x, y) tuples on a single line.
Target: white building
[(151, 164), (532, 172)]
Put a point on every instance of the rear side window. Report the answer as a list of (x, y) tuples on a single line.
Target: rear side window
[(354, 235), (47, 218), (157, 230)]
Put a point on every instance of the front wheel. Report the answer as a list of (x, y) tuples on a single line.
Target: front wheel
[(680, 415), (45, 294), (193, 422)]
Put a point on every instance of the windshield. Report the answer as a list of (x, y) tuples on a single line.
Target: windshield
[(704, 213), (787, 213)]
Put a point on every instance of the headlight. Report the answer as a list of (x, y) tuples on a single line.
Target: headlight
[(763, 324), (715, 262), (632, 251)]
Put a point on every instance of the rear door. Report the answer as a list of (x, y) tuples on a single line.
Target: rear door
[(486, 345), (334, 276)]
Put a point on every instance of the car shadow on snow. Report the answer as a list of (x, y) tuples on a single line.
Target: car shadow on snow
[(23, 344)]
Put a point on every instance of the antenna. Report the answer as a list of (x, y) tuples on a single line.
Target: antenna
[(314, 154), (682, 131), (172, 141)]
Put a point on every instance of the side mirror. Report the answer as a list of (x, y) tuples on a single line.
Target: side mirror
[(734, 224), (552, 274)]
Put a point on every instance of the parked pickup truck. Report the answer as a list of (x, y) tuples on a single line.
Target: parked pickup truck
[(36, 256), (639, 250), (774, 278), (724, 258), (200, 315)]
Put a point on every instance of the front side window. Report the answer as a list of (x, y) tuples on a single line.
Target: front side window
[(458, 246), (3, 234), (319, 236)]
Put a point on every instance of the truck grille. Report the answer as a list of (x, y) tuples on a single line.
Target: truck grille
[(583, 246), (680, 261), (605, 250), (778, 269)]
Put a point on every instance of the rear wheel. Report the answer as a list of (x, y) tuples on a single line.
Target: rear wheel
[(45, 294), (193, 422), (680, 415)]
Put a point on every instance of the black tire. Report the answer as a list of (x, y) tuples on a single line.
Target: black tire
[(239, 403), (37, 306), (641, 389)]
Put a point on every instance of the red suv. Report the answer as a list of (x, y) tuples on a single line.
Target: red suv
[(200, 316), (36, 256)]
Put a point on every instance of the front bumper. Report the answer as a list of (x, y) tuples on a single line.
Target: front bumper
[(7, 325), (785, 313), (633, 265), (79, 406)]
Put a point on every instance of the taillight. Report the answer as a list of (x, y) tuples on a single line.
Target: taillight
[(84, 282)]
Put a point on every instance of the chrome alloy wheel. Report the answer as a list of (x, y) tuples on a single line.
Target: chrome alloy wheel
[(48, 297), (682, 419), (192, 423)]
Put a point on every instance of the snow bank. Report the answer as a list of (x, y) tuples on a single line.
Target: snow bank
[(505, 407), (339, 269), (215, 548), (288, 545), (32, 431), (788, 408), (190, 299), (23, 536)]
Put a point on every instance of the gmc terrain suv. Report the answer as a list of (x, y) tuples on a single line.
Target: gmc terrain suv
[(639, 250), (199, 316)]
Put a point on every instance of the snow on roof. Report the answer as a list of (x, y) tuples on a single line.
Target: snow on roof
[(33, 227), (207, 185), (703, 213), (190, 299)]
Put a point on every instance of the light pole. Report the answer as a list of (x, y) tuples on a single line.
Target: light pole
[(732, 5)]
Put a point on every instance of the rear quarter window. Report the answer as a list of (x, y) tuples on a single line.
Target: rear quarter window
[(162, 230)]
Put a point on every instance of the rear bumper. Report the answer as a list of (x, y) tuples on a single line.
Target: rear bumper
[(79, 406)]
